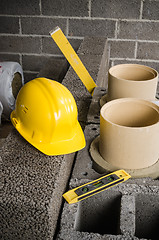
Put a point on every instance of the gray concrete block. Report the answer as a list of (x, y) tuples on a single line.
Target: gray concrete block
[(51, 67), (76, 8), (93, 48), (150, 10), (102, 79), (86, 219), (92, 62), (122, 49), (32, 185), (132, 187), (147, 216), (93, 115), (5, 129), (84, 168), (75, 43), (147, 50), (28, 76), (9, 25), (41, 25), (138, 30), (83, 107), (19, 7), (110, 214), (127, 215), (10, 57), (98, 28), (99, 213), (49, 46), (33, 62), (116, 9), (54, 68), (70, 216), (75, 86), (20, 44), (93, 45)]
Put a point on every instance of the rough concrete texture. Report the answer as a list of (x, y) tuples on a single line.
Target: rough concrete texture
[(128, 27), (122, 212), (127, 211), (31, 189), (133, 205), (33, 183), (92, 58), (54, 69), (93, 54)]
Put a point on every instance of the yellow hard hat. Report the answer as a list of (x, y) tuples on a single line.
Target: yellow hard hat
[(46, 116)]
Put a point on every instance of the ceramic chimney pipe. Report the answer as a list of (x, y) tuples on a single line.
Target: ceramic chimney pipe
[(132, 80), (129, 133)]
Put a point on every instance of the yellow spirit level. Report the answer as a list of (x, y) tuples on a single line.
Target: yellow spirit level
[(89, 189), (73, 59)]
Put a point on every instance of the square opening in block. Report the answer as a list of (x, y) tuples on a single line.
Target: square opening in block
[(147, 216), (99, 213)]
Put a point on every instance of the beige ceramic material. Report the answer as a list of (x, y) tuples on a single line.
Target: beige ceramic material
[(132, 80), (129, 133)]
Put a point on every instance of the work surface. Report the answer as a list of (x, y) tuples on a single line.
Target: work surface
[(33, 183)]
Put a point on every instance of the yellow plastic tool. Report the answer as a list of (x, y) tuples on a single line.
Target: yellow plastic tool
[(46, 116), (89, 189), (73, 59)]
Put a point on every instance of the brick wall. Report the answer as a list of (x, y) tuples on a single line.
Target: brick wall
[(132, 28)]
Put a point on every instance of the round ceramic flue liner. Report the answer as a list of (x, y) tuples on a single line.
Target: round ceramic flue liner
[(129, 133), (132, 80)]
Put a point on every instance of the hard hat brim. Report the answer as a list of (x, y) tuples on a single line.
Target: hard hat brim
[(76, 143)]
